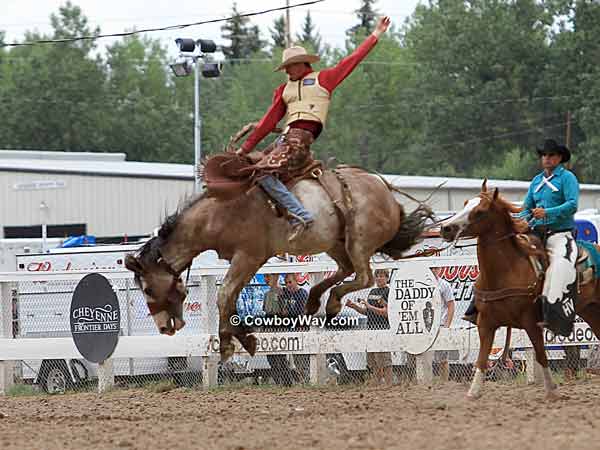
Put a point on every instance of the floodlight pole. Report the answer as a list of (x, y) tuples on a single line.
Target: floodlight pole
[(197, 128)]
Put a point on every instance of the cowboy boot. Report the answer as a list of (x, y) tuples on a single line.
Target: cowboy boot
[(471, 313), (298, 229), (554, 318)]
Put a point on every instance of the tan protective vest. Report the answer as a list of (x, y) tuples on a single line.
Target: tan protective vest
[(306, 99)]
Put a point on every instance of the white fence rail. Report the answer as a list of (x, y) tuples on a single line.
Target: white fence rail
[(202, 341)]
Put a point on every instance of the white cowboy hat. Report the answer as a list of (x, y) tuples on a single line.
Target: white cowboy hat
[(296, 54)]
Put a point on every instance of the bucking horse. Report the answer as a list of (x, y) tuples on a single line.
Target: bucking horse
[(246, 231)]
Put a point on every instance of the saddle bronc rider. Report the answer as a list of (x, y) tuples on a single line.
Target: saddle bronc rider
[(550, 207), (305, 99)]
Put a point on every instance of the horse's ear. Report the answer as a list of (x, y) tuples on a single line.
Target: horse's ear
[(484, 185), (496, 193), (134, 264)]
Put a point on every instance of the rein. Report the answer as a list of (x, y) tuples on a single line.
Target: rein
[(493, 295), (156, 308), (486, 241)]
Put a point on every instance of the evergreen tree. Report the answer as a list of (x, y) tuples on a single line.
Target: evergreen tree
[(278, 32), (309, 37), (245, 39), (366, 16)]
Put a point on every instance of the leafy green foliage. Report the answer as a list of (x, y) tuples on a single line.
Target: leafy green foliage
[(463, 88)]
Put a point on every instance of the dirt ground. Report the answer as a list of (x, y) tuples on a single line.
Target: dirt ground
[(357, 417)]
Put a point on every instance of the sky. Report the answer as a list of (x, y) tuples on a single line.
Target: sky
[(331, 17)]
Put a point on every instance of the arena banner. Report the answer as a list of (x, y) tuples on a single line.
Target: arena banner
[(95, 318)]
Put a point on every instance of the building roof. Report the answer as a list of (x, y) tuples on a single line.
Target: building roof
[(114, 164), (99, 164)]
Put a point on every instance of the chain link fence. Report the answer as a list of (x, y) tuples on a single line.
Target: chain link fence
[(272, 305)]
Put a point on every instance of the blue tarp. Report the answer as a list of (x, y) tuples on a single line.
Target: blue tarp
[(79, 241)]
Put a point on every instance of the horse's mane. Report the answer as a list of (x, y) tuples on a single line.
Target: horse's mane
[(150, 251), (515, 224)]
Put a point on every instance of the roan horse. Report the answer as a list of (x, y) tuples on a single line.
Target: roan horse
[(247, 232), (507, 286)]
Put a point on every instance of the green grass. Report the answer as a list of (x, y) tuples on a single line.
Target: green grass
[(23, 390)]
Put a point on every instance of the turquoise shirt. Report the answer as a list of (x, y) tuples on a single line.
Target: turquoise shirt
[(558, 196)]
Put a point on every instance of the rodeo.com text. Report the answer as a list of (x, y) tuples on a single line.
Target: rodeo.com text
[(293, 322), (267, 344)]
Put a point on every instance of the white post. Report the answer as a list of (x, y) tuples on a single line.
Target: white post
[(106, 376), (535, 374), (44, 220), (424, 368), (6, 331), (209, 371), (209, 324)]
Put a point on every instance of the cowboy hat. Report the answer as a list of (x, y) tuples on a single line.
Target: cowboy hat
[(550, 146), (296, 54)]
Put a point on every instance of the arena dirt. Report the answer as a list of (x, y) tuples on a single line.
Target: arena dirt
[(403, 417)]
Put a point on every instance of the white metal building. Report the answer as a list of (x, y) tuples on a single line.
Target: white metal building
[(108, 196), (103, 192)]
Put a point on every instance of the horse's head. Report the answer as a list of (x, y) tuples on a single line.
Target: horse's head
[(163, 290), (478, 216)]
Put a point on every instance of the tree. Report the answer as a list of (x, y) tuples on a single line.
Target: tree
[(278, 32), (309, 37), (69, 23), (245, 39), (56, 92), (138, 89), (366, 20), (475, 73)]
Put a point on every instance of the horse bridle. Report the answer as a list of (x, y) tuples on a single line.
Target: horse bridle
[(155, 308)]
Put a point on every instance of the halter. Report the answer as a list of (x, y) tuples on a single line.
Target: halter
[(155, 308)]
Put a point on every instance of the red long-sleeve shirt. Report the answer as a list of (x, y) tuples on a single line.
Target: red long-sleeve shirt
[(328, 78)]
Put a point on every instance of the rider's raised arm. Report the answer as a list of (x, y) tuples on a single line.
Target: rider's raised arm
[(332, 77), (274, 114), (569, 207)]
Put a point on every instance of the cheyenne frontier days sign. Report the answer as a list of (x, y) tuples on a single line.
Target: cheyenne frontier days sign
[(95, 318)]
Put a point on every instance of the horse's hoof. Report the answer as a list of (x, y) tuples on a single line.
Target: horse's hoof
[(226, 351), (554, 396), (249, 343), (472, 396), (312, 307), (331, 314)]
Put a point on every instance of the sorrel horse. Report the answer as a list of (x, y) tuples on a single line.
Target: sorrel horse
[(247, 232), (507, 286)]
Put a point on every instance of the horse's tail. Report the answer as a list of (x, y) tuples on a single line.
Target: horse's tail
[(409, 233)]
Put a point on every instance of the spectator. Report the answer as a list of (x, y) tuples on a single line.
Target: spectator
[(375, 308), (593, 362), (447, 295), (293, 298), (273, 307)]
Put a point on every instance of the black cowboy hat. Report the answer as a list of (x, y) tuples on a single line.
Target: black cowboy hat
[(550, 146)]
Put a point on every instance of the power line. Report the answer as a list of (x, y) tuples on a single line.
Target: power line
[(149, 30), (497, 137)]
